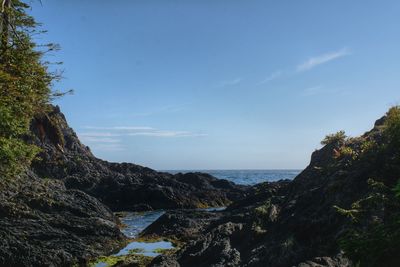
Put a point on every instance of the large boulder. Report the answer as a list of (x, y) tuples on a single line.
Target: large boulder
[(44, 224)]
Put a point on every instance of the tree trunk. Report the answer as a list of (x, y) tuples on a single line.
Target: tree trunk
[(5, 24)]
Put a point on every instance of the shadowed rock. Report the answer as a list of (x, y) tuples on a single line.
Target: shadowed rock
[(44, 224)]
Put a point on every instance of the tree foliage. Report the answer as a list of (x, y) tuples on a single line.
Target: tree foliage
[(25, 83)]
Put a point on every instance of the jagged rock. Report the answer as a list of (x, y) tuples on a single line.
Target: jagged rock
[(122, 186), (181, 225)]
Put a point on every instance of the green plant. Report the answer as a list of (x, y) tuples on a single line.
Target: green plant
[(392, 127), (25, 84), (374, 241), (339, 138)]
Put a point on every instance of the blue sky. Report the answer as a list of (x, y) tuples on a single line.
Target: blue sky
[(218, 84)]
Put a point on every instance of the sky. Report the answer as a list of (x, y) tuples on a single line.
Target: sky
[(222, 84)]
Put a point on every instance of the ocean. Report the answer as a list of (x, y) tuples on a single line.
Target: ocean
[(246, 177)]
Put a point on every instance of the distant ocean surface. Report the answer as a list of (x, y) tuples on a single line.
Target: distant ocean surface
[(247, 177)]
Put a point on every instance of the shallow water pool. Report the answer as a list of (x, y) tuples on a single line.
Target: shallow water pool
[(136, 222), (147, 249)]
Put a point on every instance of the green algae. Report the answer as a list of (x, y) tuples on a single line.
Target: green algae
[(109, 261)]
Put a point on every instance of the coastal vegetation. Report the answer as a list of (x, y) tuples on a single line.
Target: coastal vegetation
[(25, 82), (375, 235)]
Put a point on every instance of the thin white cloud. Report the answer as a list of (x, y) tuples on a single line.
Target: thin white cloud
[(109, 137), (168, 134), (230, 82), (122, 128), (271, 77), (322, 59), (101, 141), (97, 134), (92, 139)]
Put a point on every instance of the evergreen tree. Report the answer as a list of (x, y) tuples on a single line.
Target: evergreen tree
[(24, 85)]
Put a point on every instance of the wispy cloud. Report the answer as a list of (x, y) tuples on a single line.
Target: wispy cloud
[(109, 134), (271, 77), (92, 139), (122, 128), (97, 134), (322, 59), (168, 134), (102, 141), (230, 82)]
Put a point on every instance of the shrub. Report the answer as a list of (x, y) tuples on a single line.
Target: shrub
[(339, 138), (392, 126), (374, 241)]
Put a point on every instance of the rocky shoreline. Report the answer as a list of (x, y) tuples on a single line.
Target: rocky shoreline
[(61, 212)]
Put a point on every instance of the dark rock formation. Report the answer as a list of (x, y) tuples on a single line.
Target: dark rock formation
[(295, 223), (121, 186), (180, 225), (44, 224)]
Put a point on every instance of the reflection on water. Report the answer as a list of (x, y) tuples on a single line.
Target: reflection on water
[(214, 209), (136, 222), (147, 249)]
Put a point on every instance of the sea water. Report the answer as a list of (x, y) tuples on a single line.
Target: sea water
[(246, 177)]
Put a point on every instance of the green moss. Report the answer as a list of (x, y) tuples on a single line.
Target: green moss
[(136, 250), (108, 260), (165, 251), (139, 260), (152, 239), (263, 210)]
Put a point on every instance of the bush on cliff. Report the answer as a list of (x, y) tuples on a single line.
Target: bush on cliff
[(339, 137), (375, 238)]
